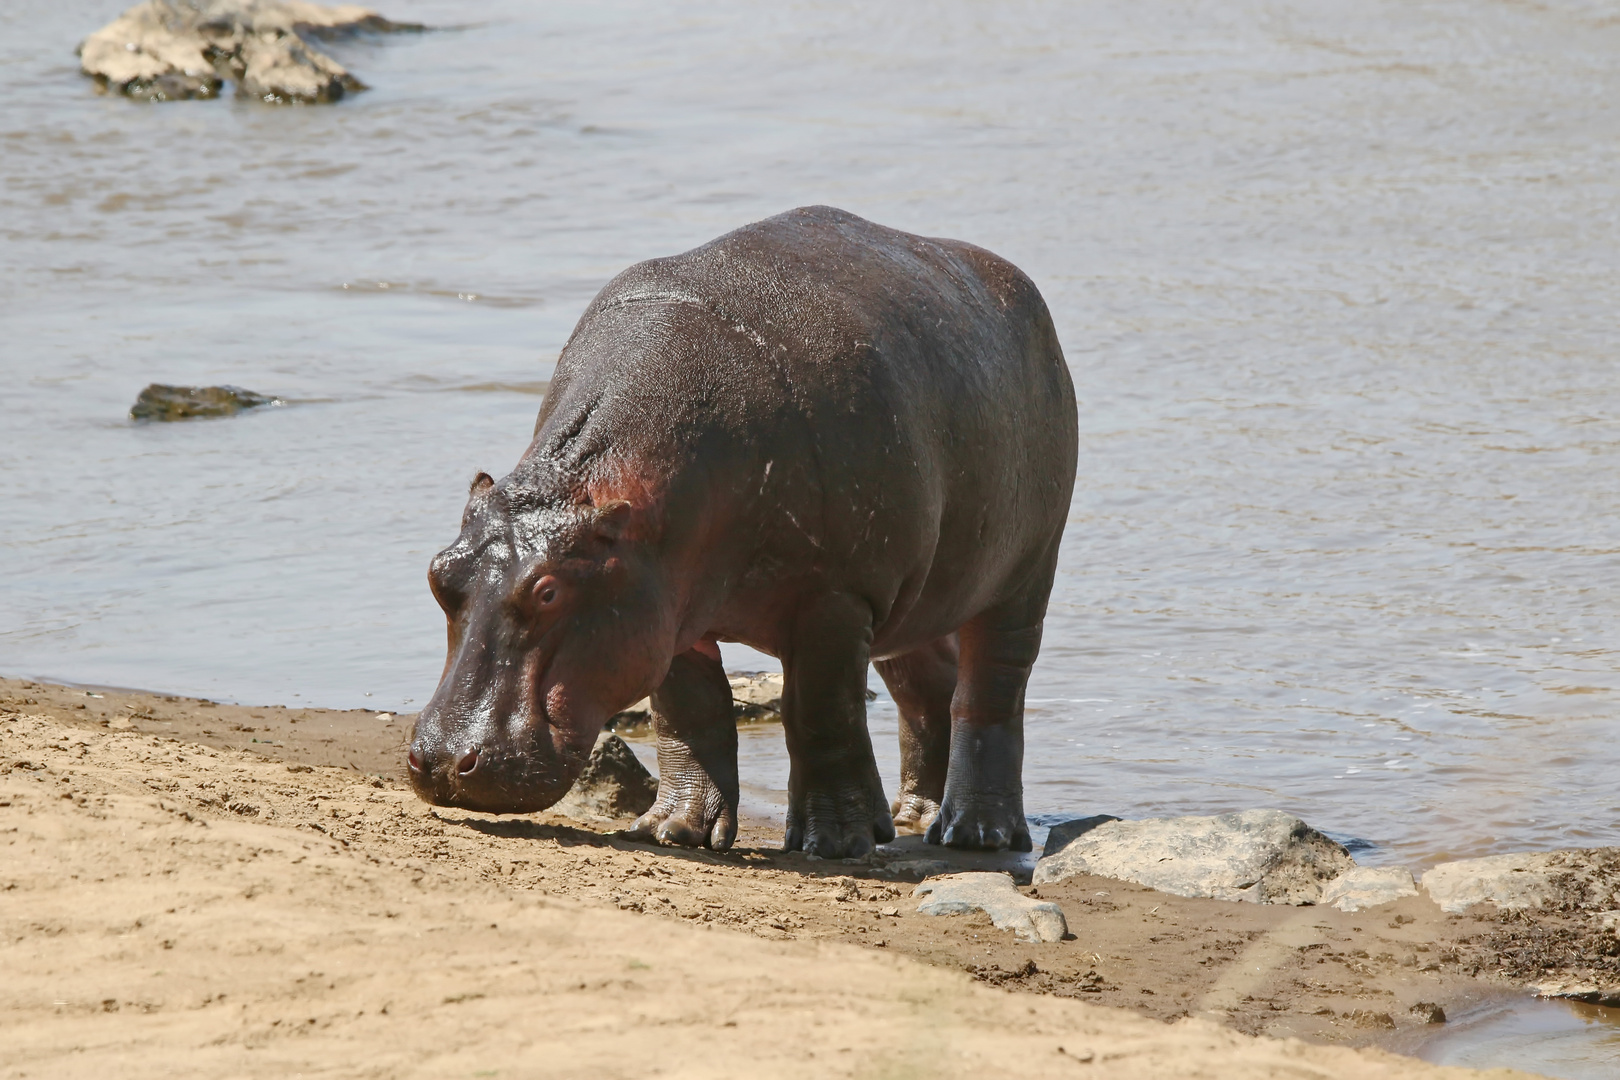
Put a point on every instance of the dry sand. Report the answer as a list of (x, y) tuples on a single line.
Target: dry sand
[(178, 899)]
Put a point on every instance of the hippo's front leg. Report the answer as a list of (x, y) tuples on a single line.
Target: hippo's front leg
[(836, 807), (697, 755)]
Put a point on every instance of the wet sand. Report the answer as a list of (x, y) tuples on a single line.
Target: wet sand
[(255, 891)]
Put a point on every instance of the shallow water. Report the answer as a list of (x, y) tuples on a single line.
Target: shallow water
[(1337, 283), (1559, 1039)]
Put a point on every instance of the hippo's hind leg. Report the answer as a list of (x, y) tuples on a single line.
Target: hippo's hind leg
[(983, 805), (922, 683), (697, 755), (836, 807)]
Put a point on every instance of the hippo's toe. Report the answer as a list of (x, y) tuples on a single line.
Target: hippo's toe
[(844, 821), (694, 814), (980, 824)]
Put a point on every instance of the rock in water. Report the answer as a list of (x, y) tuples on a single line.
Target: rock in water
[(1265, 856), (756, 697), (996, 896), (165, 50), (614, 783), (1368, 886), (162, 402), (1583, 879)]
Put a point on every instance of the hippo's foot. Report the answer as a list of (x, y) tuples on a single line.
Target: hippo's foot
[(842, 819), (697, 756), (693, 813), (913, 813), (981, 822)]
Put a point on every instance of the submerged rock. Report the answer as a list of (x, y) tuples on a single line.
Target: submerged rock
[(614, 784), (160, 401), (1368, 886), (166, 50), (1582, 879), (757, 695), (1264, 856), (996, 896)]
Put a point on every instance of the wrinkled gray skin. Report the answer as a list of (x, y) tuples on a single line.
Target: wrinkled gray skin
[(833, 441)]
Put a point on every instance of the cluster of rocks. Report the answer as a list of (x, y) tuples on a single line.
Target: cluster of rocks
[(160, 401), (167, 50), (1271, 857), (1557, 914)]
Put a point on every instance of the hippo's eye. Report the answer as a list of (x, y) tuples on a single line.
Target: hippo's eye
[(545, 591)]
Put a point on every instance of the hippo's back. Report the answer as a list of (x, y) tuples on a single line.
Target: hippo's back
[(913, 388)]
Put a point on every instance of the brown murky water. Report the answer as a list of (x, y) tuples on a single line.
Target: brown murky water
[(1337, 282), (1554, 1038)]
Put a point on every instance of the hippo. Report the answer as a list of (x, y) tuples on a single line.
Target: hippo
[(832, 441)]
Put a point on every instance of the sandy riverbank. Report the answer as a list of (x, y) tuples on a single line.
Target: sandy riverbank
[(179, 897)]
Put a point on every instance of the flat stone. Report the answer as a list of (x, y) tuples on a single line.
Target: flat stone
[(160, 401), (1368, 886), (613, 784), (1581, 878), (1263, 856), (166, 50), (998, 897)]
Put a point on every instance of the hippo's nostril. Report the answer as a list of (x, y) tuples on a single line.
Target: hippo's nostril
[(468, 763), (414, 760)]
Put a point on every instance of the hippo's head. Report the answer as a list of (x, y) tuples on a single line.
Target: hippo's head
[(554, 626)]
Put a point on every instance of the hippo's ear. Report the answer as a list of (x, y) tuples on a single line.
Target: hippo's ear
[(480, 484), (610, 520)]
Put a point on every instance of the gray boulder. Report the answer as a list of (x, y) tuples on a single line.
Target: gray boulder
[(1584, 879), (1263, 856), (996, 896), (165, 50), (614, 784), (160, 401), (1368, 886)]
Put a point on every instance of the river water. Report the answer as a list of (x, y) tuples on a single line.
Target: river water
[(1337, 282)]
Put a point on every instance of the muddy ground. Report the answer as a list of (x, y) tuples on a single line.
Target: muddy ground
[(259, 886)]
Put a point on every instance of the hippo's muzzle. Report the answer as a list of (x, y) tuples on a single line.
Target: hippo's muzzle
[(486, 775)]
